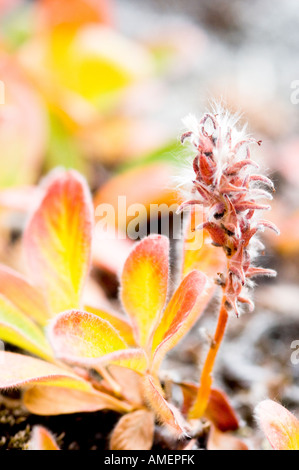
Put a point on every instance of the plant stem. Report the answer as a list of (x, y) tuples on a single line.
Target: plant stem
[(206, 379)]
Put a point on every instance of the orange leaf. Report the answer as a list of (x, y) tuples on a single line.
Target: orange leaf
[(42, 439), (58, 240), (19, 371), (280, 426), (53, 13), (134, 431), (287, 244), (133, 186), (166, 413), (50, 401), (144, 285), (23, 295), (180, 314)]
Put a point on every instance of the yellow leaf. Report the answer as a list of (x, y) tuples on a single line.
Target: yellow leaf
[(119, 322), (23, 295), (58, 241), (81, 336), (85, 339), (17, 329), (144, 285), (66, 64), (134, 359)]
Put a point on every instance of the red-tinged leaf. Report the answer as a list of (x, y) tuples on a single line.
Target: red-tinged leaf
[(85, 339), (51, 401), (220, 412), (119, 322), (180, 314), (58, 241), (134, 431), (78, 336), (279, 425), (19, 330), (19, 371), (144, 285), (223, 441), (134, 359), (23, 295), (165, 412), (42, 439)]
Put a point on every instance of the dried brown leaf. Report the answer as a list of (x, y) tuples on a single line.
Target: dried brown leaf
[(134, 431)]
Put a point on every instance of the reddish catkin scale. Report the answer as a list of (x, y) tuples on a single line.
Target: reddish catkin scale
[(227, 189)]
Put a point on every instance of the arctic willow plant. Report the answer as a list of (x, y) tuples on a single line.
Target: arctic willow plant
[(225, 186), (44, 314)]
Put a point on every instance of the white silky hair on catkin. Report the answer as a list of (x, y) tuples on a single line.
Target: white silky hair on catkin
[(227, 125)]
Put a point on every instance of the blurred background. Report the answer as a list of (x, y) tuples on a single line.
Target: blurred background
[(102, 86)]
